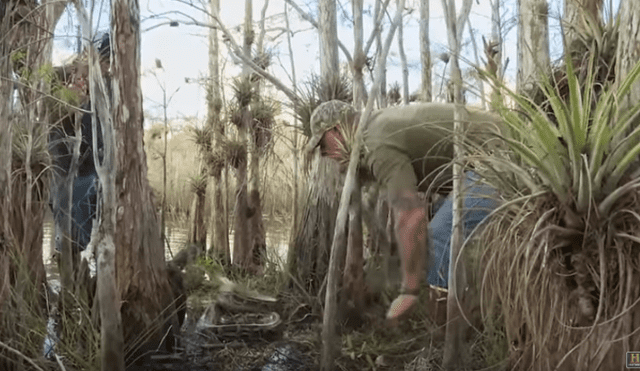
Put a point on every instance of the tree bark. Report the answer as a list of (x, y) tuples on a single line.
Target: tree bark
[(307, 17), (533, 43), (353, 278), (329, 343), (198, 228), (628, 51), (24, 167), (456, 350), (140, 266), (405, 68), (111, 336), (425, 52), (360, 58), (353, 281), (296, 150), (493, 51), (220, 233), (242, 243), (382, 92), (483, 99), (329, 63), (496, 35), (258, 244)]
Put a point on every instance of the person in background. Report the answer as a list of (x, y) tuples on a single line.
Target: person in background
[(85, 190)]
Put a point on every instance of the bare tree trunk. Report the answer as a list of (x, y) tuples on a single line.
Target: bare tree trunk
[(425, 51), (242, 242), (353, 276), (382, 94), (141, 272), (24, 165), (533, 43), (329, 343), (359, 59), (353, 281), (329, 63), (163, 208), (472, 35), (405, 68), (258, 244), (296, 150), (220, 234), (496, 36), (112, 337), (198, 234), (493, 52), (455, 349), (112, 342), (628, 51)]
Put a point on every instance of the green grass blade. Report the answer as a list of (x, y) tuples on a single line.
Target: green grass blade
[(584, 188)]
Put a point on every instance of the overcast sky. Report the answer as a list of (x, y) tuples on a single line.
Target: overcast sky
[(183, 50)]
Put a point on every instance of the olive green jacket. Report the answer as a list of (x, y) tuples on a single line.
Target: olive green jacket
[(411, 147)]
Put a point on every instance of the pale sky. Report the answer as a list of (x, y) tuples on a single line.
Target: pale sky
[(183, 50)]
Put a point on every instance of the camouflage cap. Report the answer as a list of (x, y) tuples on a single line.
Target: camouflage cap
[(326, 116)]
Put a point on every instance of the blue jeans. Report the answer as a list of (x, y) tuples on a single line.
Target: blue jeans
[(83, 211), (479, 201)]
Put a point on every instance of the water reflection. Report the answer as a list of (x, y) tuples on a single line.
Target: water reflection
[(177, 237)]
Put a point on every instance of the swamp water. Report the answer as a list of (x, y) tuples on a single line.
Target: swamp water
[(277, 245), (284, 357)]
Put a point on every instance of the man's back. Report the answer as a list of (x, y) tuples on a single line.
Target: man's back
[(421, 134)]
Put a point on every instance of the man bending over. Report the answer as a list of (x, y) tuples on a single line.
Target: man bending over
[(406, 149)]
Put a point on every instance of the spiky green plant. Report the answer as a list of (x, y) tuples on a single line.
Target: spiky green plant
[(561, 260), (243, 91), (203, 138), (236, 152), (264, 112), (198, 183)]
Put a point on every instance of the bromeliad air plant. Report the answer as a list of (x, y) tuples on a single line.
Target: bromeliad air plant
[(561, 258)]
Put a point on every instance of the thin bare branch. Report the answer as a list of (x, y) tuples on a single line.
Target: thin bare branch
[(235, 48), (307, 17)]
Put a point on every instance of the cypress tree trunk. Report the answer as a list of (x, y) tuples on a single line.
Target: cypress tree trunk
[(141, 272), (533, 43), (242, 233), (220, 233), (628, 53), (28, 26)]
